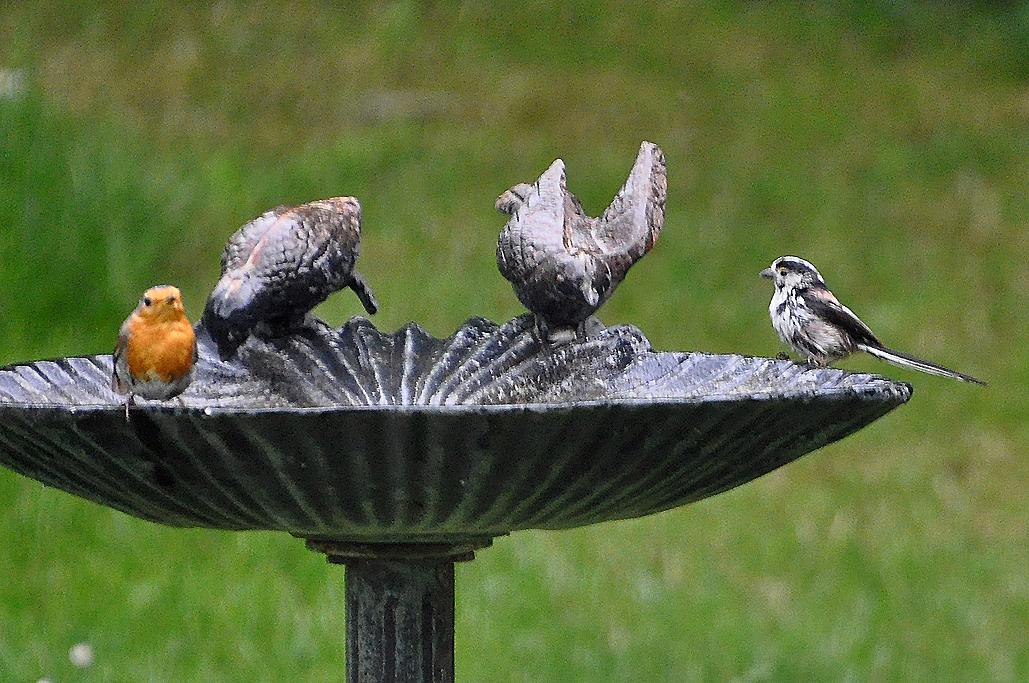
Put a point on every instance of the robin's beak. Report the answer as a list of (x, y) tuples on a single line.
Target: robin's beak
[(768, 273)]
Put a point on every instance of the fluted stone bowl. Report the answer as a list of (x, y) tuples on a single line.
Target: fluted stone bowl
[(351, 434)]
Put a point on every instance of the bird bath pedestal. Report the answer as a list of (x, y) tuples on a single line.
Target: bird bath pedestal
[(400, 607), (400, 454)]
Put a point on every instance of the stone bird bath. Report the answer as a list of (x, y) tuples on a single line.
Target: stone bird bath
[(399, 454)]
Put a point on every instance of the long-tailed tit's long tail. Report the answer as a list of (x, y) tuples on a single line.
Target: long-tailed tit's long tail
[(903, 360)]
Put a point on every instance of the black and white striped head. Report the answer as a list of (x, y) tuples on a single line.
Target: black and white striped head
[(792, 272)]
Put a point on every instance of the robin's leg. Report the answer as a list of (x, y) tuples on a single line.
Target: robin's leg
[(131, 400)]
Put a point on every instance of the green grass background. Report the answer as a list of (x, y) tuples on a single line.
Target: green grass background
[(886, 142)]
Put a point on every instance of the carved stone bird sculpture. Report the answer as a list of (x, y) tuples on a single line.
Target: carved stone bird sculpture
[(280, 265), (564, 264)]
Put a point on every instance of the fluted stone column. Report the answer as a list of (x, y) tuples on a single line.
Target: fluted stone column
[(400, 621)]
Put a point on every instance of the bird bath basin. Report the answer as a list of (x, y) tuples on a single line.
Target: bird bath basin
[(398, 454)]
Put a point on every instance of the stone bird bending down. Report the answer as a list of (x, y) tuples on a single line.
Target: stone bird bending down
[(156, 353), (564, 264), (280, 265)]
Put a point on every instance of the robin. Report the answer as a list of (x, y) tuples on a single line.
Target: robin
[(157, 349)]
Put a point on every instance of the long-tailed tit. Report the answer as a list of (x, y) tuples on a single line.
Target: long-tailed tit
[(812, 321)]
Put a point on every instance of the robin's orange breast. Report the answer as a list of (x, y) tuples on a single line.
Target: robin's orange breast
[(159, 350)]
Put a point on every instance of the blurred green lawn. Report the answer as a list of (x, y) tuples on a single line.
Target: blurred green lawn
[(886, 142)]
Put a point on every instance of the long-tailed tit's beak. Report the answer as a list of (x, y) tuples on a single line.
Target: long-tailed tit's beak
[(768, 273)]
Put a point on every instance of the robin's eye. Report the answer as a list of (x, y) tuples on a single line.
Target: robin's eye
[(171, 299), (147, 301), (782, 271)]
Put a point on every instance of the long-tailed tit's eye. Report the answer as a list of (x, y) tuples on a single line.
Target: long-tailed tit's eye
[(782, 271)]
